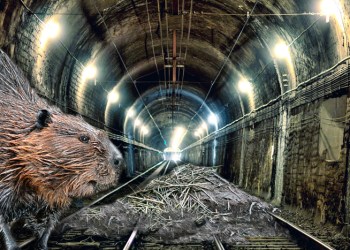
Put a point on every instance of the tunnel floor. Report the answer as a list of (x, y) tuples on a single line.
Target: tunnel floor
[(190, 205)]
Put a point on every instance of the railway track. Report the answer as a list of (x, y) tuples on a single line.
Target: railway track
[(75, 239)]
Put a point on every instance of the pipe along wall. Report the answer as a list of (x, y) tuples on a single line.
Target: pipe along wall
[(294, 151)]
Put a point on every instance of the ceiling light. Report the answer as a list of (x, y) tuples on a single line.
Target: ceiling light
[(144, 130), (89, 72), (328, 7), (113, 96), (204, 126), (131, 113), (213, 119), (245, 86), (137, 122), (51, 30), (178, 135), (281, 50)]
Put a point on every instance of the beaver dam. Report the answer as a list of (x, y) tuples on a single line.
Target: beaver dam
[(189, 205)]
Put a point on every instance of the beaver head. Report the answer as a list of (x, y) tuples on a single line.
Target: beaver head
[(63, 157)]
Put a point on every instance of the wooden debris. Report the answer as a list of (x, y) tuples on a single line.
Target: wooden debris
[(187, 189)]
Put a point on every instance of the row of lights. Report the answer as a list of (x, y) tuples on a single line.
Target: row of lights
[(281, 51), (52, 30), (203, 128), (137, 122)]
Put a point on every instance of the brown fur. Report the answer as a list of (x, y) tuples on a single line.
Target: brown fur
[(51, 165), (52, 161)]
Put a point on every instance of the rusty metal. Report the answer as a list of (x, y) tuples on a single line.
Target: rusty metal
[(174, 57), (301, 234)]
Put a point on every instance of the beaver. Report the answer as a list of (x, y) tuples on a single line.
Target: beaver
[(47, 157)]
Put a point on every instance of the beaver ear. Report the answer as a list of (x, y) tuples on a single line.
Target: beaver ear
[(43, 118)]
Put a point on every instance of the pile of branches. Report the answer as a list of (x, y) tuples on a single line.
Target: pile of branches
[(190, 204), (199, 191)]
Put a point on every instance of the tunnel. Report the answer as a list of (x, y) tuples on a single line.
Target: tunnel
[(257, 90)]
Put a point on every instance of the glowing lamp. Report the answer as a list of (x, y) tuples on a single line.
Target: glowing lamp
[(144, 130), (51, 31), (137, 122), (89, 72), (281, 50), (245, 86), (328, 7), (113, 96), (178, 135), (131, 112), (213, 119)]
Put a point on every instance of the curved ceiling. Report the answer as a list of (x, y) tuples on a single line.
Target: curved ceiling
[(132, 45)]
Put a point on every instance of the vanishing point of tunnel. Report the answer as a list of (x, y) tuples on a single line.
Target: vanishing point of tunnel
[(254, 92)]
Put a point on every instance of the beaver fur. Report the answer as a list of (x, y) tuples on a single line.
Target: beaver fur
[(47, 158)]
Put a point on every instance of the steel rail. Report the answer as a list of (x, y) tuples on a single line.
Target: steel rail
[(131, 239), (158, 165), (312, 240), (218, 243)]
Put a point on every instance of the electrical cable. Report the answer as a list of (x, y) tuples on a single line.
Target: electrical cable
[(225, 62), (259, 15), (154, 54), (278, 99), (70, 108), (161, 43), (127, 71)]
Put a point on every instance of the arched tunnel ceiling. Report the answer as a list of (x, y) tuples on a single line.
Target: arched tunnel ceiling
[(218, 43)]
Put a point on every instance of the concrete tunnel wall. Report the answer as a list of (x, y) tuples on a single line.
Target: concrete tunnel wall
[(311, 173), (294, 152)]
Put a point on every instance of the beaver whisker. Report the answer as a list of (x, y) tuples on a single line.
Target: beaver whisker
[(43, 170)]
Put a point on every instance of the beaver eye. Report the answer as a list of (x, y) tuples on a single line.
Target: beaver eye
[(84, 139)]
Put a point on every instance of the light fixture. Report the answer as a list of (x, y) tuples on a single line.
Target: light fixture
[(281, 50), (144, 130), (197, 134), (137, 122), (89, 72), (51, 30), (204, 126), (113, 96), (245, 86), (131, 113), (328, 8), (213, 119), (178, 135)]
